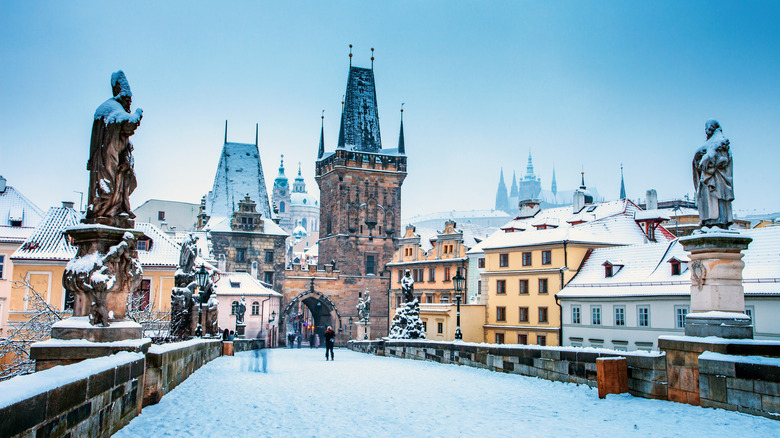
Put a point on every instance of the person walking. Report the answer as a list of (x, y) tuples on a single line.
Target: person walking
[(330, 340)]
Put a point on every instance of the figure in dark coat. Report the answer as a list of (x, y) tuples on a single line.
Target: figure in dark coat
[(330, 340)]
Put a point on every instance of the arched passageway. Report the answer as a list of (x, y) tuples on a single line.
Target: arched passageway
[(309, 313)]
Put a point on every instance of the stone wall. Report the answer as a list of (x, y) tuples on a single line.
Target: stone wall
[(740, 383), (168, 365), (95, 398), (646, 373)]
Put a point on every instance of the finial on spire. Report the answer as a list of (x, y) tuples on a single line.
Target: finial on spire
[(225, 131), (372, 58), (401, 145), (257, 129), (343, 98), (622, 184), (582, 172), (402, 112), (299, 168), (350, 55), (323, 118)]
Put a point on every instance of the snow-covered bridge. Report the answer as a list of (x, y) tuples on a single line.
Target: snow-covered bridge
[(364, 395)]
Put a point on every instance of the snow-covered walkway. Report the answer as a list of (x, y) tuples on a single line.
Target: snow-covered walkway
[(360, 395)]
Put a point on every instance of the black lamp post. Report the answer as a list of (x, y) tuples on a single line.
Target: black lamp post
[(350, 328), (459, 282), (201, 279)]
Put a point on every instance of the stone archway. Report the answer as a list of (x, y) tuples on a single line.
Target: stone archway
[(323, 312)]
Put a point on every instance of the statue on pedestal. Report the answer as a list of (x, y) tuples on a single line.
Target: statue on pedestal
[(184, 289), (407, 286), (713, 179), (110, 165), (364, 307)]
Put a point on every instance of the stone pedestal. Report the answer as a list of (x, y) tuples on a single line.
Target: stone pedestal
[(240, 330), (717, 295), (48, 354), (363, 330)]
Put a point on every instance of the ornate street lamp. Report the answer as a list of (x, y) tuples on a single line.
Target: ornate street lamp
[(459, 282), (350, 328), (201, 279)]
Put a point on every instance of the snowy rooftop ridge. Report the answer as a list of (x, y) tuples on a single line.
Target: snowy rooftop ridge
[(15, 207), (239, 173), (242, 283)]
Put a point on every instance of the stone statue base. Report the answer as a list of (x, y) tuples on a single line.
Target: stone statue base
[(48, 354), (240, 330), (363, 330), (717, 294), (78, 327)]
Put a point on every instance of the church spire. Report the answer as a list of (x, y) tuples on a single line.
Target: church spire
[(513, 189), (622, 184), (225, 131), (554, 187), (502, 201), (360, 116), (529, 169), (321, 150), (401, 146)]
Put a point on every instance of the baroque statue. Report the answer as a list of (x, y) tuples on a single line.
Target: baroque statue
[(713, 179), (111, 174), (407, 286), (364, 307)]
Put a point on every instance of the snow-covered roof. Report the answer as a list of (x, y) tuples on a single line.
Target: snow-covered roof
[(646, 269), (645, 215), (303, 199), (472, 235), (239, 173), (359, 129), (15, 206), (242, 283), (48, 242)]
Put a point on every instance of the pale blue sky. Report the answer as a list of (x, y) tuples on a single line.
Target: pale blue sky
[(579, 84)]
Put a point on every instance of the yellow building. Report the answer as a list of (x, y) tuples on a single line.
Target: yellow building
[(41, 259), (535, 255)]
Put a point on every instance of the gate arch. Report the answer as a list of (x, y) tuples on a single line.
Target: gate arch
[(322, 308)]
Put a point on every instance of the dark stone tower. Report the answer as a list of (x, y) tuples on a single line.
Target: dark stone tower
[(360, 186)]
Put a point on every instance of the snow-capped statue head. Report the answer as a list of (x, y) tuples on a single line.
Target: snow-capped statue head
[(710, 127), (121, 89)]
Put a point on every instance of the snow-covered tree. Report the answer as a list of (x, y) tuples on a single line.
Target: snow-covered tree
[(407, 323)]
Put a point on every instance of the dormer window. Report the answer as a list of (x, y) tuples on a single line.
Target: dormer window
[(144, 244), (676, 265), (611, 268)]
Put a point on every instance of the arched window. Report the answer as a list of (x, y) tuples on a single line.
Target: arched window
[(255, 308), (281, 207), (234, 308), (303, 223)]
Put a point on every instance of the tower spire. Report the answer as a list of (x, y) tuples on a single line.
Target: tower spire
[(622, 184), (401, 145), (225, 131), (350, 55), (372, 58), (257, 128), (321, 150), (582, 184), (554, 187)]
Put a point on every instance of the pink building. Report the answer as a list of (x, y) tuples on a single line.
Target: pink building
[(262, 306)]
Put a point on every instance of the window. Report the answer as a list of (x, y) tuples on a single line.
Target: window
[(481, 263), (439, 327), (522, 339), (446, 274), (523, 287), (675, 267), (425, 326), (417, 275), (679, 316), (269, 256), (643, 316), (141, 296), (2, 264), (268, 277), (500, 287), (526, 259), (749, 311), (503, 260), (370, 264), (541, 340), (499, 338), (479, 287), (141, 245), (255, 308), (523, 314), (431, 274), (400, 275), (576, 315), (543, 315), (620, 316), (240, 254), (595, 315), (234, 308), (397, 301), (281, 207), (542, 285), (501, 314), (429, 298), (444, 298), (607, 271), (160, 215), (546, 257)]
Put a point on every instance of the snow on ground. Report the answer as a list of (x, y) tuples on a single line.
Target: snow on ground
[(360, 395)]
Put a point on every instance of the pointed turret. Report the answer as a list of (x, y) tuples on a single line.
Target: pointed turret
[(502, 201), (513, 188), (554, 187), (401, 146), (299, 186), (529, 169), (321, 150), (622, 184)]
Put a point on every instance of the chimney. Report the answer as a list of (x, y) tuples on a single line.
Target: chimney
[(66, 204), (579, 201), (652, 200), (2, 184)]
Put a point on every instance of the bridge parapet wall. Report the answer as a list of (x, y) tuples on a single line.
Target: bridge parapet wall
[(167, 365), (646, 371), (95, 397)]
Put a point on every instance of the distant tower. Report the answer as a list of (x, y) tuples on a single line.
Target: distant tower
[(622, 184), (281, 196), (502, 200), (530, 186), (360, 186), (401, 145), (513, 188), (299, 186), (554, 187)]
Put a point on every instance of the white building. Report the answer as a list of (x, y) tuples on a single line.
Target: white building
[(262, 305), (169, 216), (624, 298)]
